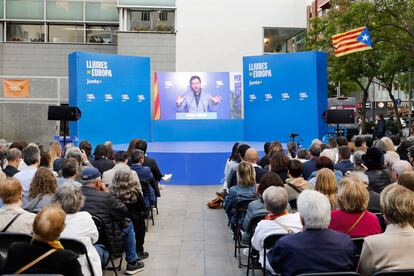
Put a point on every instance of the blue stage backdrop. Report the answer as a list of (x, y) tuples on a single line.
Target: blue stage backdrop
[(113, 94), (284, 94)]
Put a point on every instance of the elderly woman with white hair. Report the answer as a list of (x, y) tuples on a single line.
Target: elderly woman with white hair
[(79, 225), (316, 249), (278, 221)]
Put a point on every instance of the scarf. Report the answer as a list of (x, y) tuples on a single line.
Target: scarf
[(273, 216), (55, 244)]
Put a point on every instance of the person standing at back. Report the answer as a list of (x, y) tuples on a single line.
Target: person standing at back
[(380, 127)]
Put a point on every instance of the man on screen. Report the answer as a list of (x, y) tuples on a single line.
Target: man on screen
[(196, 100)]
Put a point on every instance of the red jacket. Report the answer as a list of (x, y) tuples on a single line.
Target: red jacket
[(342, 221)]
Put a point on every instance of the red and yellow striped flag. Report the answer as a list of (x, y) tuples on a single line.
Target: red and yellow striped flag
[(157, 111), (355, 40)]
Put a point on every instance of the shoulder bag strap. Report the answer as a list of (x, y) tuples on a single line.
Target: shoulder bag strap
[(38, 259), (298, 190), (355, 223), (287, 229), (10, 223)]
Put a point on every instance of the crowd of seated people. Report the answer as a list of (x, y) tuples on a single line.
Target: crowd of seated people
[(321, 199), (72, 191)]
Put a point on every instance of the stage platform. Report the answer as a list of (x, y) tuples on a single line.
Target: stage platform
[(192, 163)]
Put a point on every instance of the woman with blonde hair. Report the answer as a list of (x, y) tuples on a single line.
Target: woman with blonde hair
[(244, 190), (326, 184), (55, 152), (388, 143), (391, 250), (353, 217)]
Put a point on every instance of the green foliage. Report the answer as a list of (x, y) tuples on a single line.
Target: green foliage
[(391, 24)]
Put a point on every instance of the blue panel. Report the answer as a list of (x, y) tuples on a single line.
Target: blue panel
[(283, 94), (113, 94), (192, 163), (197, 130)]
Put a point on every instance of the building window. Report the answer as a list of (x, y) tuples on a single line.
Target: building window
[(101, 34), (66, 33), (145, 16), (283, 40), (64, 10), (25, 9), (152, 21), (163, 16), (25, 32)]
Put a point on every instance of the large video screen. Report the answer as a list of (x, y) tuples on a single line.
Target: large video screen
[(197, 95)]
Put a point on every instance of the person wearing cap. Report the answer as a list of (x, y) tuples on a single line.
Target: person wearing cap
[(378, 177), (101, 203)]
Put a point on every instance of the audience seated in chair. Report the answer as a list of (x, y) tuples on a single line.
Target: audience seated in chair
[(47, 227), (81, 157), (326, 184), (374, 204), (152, 164), (393, 249), (128, 191), (79, 225), (379, 178), (399, 168), (101, 159), (344, 163), (13, 157), (251, 156), (11, 194), (279, 164), (121, 159), (295, 183), (310, 166), (321, 163), (257, 207), (278, 221), (31, 157), (352, 217), (41, 190), (144, 173), (101, 203), (317, 248), (69, 172), (241, 152), (244, 190)]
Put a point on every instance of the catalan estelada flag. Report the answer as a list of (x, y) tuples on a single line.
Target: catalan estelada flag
[(157, 111), (356, 40)]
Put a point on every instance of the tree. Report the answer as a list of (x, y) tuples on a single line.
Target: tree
[(387, 59), (356, 68)]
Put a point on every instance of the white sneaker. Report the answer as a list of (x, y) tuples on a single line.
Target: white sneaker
[(166, 177)]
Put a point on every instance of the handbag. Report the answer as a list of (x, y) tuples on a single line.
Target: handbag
[(355, 223), (35, 261), (215, 203)]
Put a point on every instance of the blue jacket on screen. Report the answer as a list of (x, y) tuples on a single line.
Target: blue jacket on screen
[(313, 251)]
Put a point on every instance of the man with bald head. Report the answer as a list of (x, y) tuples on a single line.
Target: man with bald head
[(251, 156)]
